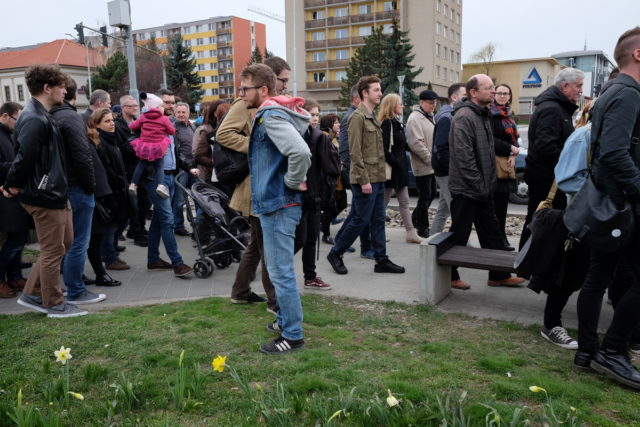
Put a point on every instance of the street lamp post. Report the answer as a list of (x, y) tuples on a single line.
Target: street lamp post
[(401, 87)]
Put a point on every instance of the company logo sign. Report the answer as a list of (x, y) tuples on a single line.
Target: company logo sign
[(533, 79)]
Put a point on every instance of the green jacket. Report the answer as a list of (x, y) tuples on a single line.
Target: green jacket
[(365, 148)]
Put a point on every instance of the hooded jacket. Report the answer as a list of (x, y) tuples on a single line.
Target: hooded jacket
[(278, 155), (78, 159), (550, 126), (472, 160)]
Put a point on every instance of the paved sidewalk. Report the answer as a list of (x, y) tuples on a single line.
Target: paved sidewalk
[(142, 287)]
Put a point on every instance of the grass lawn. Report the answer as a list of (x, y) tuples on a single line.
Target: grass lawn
[(438, 366)]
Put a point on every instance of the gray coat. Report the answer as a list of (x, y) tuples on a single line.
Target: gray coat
[(472, 160)]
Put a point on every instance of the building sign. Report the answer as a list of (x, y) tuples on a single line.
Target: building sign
[(532, 80)]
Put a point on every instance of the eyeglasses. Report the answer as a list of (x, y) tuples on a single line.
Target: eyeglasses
[(284, 81), (503, 93), (243, 89), (15, 119)]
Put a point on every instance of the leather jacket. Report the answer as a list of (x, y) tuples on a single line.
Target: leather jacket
[(38, 169)]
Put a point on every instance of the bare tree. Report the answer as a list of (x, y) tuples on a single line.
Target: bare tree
[(486, 56)]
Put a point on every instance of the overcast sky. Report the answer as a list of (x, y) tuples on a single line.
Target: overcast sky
[(521, 29)]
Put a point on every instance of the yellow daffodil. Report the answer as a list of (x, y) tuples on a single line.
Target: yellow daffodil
[(536, 389), (335, 414), (391, 400), (572, 409), (219, 363), (76, 395), (63, 355)]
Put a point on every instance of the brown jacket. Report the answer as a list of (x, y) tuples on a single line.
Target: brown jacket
[(201, 151), (233, 133), (365, 148)]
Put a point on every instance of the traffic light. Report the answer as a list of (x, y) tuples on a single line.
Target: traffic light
[(80, 30), (103, 30)]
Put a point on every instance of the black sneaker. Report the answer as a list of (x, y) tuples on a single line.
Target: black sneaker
[(559, 337), (274, 327), (281, 345), (387, 266), (181, 232), (32, 302), (337, 263), (251, 299), (582, 361)]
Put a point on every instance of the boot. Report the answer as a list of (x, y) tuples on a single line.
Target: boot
[(412, 236)]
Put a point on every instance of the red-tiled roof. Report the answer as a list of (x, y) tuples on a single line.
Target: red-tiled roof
[(61, 52)]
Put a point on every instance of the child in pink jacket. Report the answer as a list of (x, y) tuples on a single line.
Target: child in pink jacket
[(152, 144)]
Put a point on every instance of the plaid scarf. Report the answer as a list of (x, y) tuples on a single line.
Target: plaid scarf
[(508, 124)]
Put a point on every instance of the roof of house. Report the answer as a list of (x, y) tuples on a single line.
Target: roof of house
[(61, 52), (578, 53)]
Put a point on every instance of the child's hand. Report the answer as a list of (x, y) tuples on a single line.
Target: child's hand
[(195, 172)]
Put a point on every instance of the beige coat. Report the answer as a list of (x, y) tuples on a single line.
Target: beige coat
[(234, 133), (420, 140)]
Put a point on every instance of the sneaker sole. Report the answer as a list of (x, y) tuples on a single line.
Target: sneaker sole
[(277, 353), (275, 313), (609, 373), (162, 195), (183, 274), (318, 288), (65, 315), (239, 301), (90, 301), (37, 308), (565, 346)]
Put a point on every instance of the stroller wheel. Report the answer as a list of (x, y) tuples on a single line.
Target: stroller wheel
[(203, 268), (223, 260)]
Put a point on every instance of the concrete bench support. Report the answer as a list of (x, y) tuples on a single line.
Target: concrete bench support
[(435, 279)]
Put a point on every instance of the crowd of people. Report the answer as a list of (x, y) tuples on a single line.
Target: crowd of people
[(83, 179)]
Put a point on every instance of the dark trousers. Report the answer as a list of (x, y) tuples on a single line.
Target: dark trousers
[(11, 256), (557, 299), (501, 204), (538, 191), (426, 192), (309, 230), (141, 209), (94, 254), (251, 257), (466, 212), (626, 317), (624, 278)]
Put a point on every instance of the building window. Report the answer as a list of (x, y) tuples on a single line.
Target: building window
[(20, 93), (364, 9), (446, 10), (340, 12), (187, 43), (212, 40), (451, 14), (163, 33), (437, 71), (318, 35), (437, 49), (446, 32), (214, 65), (318, 77), (214, 91), (213, 53), (198, 28), (451, 56), (387, 28), (446, 53), (318, 14), (342, 54), (438, 28), (199, 54), (318, 56), (186, 30), (253, 29), (7, 93), (341, 75), (342, 33), (458, 18), (438, 5), (141, 36), (364, 31), (211, 27), (199, 42), (214, 79), (389, 5), (200, 67), (457, 57), (203, 79)]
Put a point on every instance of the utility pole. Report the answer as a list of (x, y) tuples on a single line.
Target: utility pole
[(120, 16)]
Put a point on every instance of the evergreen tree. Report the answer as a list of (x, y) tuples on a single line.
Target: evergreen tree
[(365, 61), (267, 53), (397, 54), (112, 76), (256, 57), (182, 78)]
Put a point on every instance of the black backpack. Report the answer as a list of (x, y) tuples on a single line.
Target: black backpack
[(231, 167)]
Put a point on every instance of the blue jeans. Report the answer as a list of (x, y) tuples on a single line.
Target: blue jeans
[(161, 225), (278, 234), (82, 205), (365, 236), (366, 210), (11, 256), (177, 199)]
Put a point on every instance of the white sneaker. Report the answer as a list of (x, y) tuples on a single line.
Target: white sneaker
[(162, 191), (133, 189), (63, 310)]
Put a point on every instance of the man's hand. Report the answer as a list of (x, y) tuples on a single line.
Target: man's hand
[(10, 192), (366, 188), (303, 186)]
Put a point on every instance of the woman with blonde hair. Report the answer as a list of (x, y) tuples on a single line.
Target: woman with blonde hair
[(395, 147)]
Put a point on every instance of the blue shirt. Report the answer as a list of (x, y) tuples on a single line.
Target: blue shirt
[(169, 159)]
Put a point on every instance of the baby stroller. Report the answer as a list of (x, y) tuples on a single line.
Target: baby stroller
[(229, 231)]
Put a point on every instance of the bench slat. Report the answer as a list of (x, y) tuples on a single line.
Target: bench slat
[(478, 258)]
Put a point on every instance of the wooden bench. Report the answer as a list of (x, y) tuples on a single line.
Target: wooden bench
[(438, 254)]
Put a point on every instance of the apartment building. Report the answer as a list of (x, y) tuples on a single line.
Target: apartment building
[(323, 35), (222, 47)]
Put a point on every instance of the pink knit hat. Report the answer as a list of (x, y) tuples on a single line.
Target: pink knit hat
[(152, 101)]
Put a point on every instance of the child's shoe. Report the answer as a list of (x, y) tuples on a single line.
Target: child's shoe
[(133, 189), (162, 191)]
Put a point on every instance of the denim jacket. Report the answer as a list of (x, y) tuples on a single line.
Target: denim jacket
[(278, 158)]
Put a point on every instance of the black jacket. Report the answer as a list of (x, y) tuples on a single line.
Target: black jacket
[(78, 160), (13, 217), (40, 153), (116, 175), (615, 139), (440, 150), (397, 156), (323, 172), (123, 136), (549, 128)]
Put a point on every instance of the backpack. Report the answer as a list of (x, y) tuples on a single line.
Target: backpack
[(231, 167), (571, 171), (324, 170)]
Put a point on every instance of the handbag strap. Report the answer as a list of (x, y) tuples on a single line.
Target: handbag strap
[(548, 202)]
